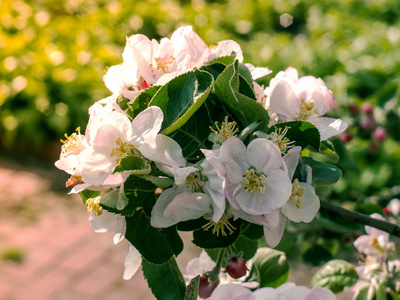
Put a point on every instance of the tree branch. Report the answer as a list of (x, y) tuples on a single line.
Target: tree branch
[(337, 211)]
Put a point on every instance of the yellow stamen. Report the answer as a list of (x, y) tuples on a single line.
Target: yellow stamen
[(220, 226), (297, 193), (374, 243), (306, 110), (254, 183), (73, 143), (194, 182), (123, 150), (227, 130), (93, 206), (279, 139), (164, 64)]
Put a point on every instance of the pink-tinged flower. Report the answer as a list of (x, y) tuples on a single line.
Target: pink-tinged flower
[(113, 137), (394, 206), (287, 291), (196, 192), (305, 99), (257, 179), (375, 243)]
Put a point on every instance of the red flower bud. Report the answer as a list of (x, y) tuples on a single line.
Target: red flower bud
[(386, 210), (206, 287), (236, 267), (346, 137), (379, 134), (367, 108)]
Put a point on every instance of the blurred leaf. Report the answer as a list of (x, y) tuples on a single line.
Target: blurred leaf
[(336, 275), (317, 255), (270, 268)]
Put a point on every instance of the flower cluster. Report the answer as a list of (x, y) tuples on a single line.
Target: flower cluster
[(189, 141), (379, 265)]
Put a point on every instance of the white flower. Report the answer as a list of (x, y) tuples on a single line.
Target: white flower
[(257, 179), (304, 99), (287, 291), (113, 137)]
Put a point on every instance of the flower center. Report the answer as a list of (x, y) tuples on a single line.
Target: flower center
[(306, 110), (93, 206), (73, 143), (195, 182), (297, 193), (253, 182), (123, 150), (164, 64), (375, 243), (220, 226), (279, 139), (227, 130)]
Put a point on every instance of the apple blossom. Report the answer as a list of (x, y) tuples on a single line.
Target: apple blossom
[(304, 99)]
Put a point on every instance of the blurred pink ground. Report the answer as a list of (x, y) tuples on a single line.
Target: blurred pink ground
[(63, 258)]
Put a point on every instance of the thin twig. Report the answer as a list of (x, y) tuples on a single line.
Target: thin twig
[(338, 211)]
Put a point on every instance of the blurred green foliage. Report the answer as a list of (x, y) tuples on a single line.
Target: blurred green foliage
[(54, 54)]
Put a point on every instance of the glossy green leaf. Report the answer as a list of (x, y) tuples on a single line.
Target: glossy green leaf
[(246, 109), (181, 97), (321, 173), (141, 102), (157, 245), (302, 133), (336, 275), (244, 246), (270, 268), (134, 165), (87, 194), (165, 280)]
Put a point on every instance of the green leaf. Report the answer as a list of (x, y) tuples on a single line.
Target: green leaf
[(302, 133), (339, 227), (362, 294), (243, 245), (270, 268), (138, 190), (327, 149), (336, 275), (181, 97), (192, 290), (246, 109), (165, 280), (192, 224), (134, 165), (161, 182), (157, 245), (206, 239), (321, 173), (141, 102), (224, 60), (252, 231)]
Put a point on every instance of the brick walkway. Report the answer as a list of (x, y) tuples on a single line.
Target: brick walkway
[(62, 258)]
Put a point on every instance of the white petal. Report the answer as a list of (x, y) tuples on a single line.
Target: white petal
[(278, 189), (233, 156), (133, 260), (165, 152), (328, 127), (231, 291), (319, 293), (188, 206), (182, 173), (147, 124), (252, 203), (258, 72), (283, 101), (272, 218), (264, 155), (96, 166), (274, 235), (265, 293), (291, 160), (309, 206), (157, 214)]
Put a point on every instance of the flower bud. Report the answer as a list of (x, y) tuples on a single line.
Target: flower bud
[(346, 137), (206, 287), (367, 122), (236, 267), (379, 134), (367, 108)]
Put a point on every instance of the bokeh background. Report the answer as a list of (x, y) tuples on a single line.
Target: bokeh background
[(54, 54)]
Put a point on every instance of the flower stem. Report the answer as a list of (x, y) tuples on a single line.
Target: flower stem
[(220, 258), (336, 211)]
